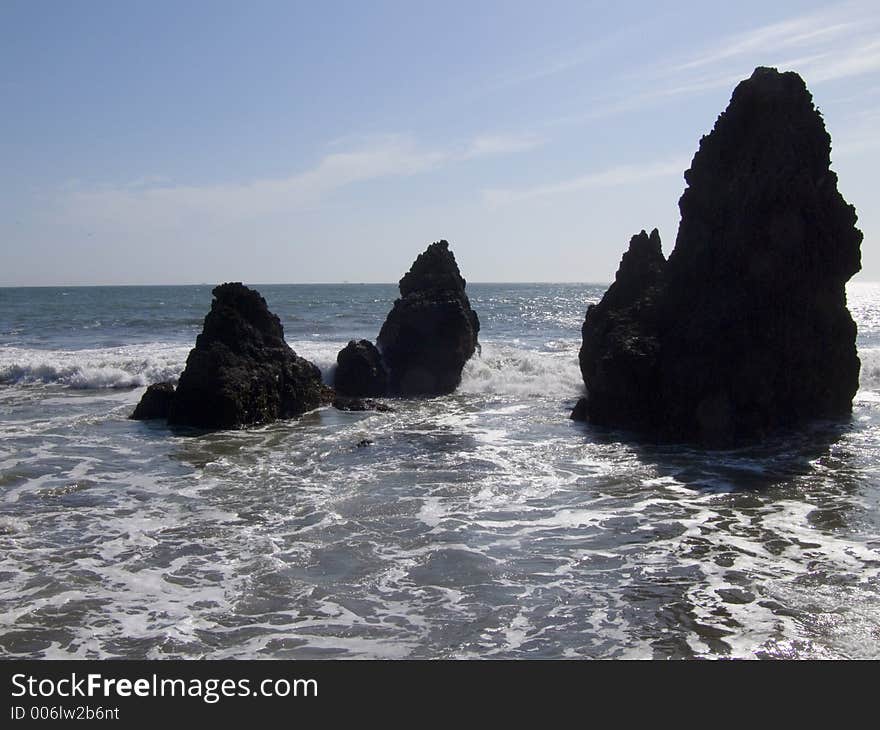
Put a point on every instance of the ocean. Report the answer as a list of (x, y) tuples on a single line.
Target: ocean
[(480, 524)]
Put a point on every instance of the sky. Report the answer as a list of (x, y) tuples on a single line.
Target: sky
[(284, 142)]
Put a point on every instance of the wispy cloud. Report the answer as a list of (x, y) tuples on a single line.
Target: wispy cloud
[(613, 176), (156, 202), (861, 134), (837, 42), (859, 59), (638, 99), (567, 61), (809, 30), (491, 145)]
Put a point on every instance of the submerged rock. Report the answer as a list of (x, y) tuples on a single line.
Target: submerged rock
[(745, 328), (241, 371), (360, 371), (432, 331), (154, 403), (345, 403)]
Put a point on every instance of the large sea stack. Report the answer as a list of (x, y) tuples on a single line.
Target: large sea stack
[(745, 328), (241, 371), (428, 336)]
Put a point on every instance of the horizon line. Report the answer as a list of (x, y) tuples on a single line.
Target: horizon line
[(281, 283), (853, 280)]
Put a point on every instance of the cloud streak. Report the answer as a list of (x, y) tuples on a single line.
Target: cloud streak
[(809, 31), (161, 204), (835, 43), (610, 177), (570, 61)]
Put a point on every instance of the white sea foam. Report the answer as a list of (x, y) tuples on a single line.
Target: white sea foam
[(501, 369), (323, 354), (516, 371), (116, 367), (869, 378), (472, 526)]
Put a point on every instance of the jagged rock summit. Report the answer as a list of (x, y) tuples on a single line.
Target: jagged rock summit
[(428, 336), (241, 372), (434, 270), (745, 328)]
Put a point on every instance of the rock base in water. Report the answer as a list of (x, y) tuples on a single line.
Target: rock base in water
[(344, 403), (154, 403)]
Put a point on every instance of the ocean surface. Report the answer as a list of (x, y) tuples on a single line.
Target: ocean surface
[(480, 524)]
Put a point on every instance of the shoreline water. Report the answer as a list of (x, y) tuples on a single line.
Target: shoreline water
[(480, 524)]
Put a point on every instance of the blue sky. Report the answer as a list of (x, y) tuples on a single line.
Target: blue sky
[(187, 142)]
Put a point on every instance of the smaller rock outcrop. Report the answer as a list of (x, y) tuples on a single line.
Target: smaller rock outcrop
[(432, 331), (360, 370), (241, 371), (154, 403), (620, 345), (428, 336)]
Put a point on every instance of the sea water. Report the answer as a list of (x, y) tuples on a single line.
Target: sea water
[(480, 524)]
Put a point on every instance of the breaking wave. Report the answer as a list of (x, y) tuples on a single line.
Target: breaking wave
[(869, 378), (500, 369), (117, 367), (511, 370)]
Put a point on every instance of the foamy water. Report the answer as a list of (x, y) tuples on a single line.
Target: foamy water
[(481, 524)]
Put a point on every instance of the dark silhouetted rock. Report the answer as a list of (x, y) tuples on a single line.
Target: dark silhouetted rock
[(745, 329), (619, 351), (360, 371), (154, 403), (579, 412), (432, 331), (434, 269), (241, 371)]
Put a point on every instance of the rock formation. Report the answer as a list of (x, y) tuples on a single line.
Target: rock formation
[(745, 328), (241, 371), (620, 346), (360, 370), (432, 331), (428, 336), (154, 403)]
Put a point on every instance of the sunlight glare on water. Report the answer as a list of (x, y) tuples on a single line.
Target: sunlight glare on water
[(481, 524)]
